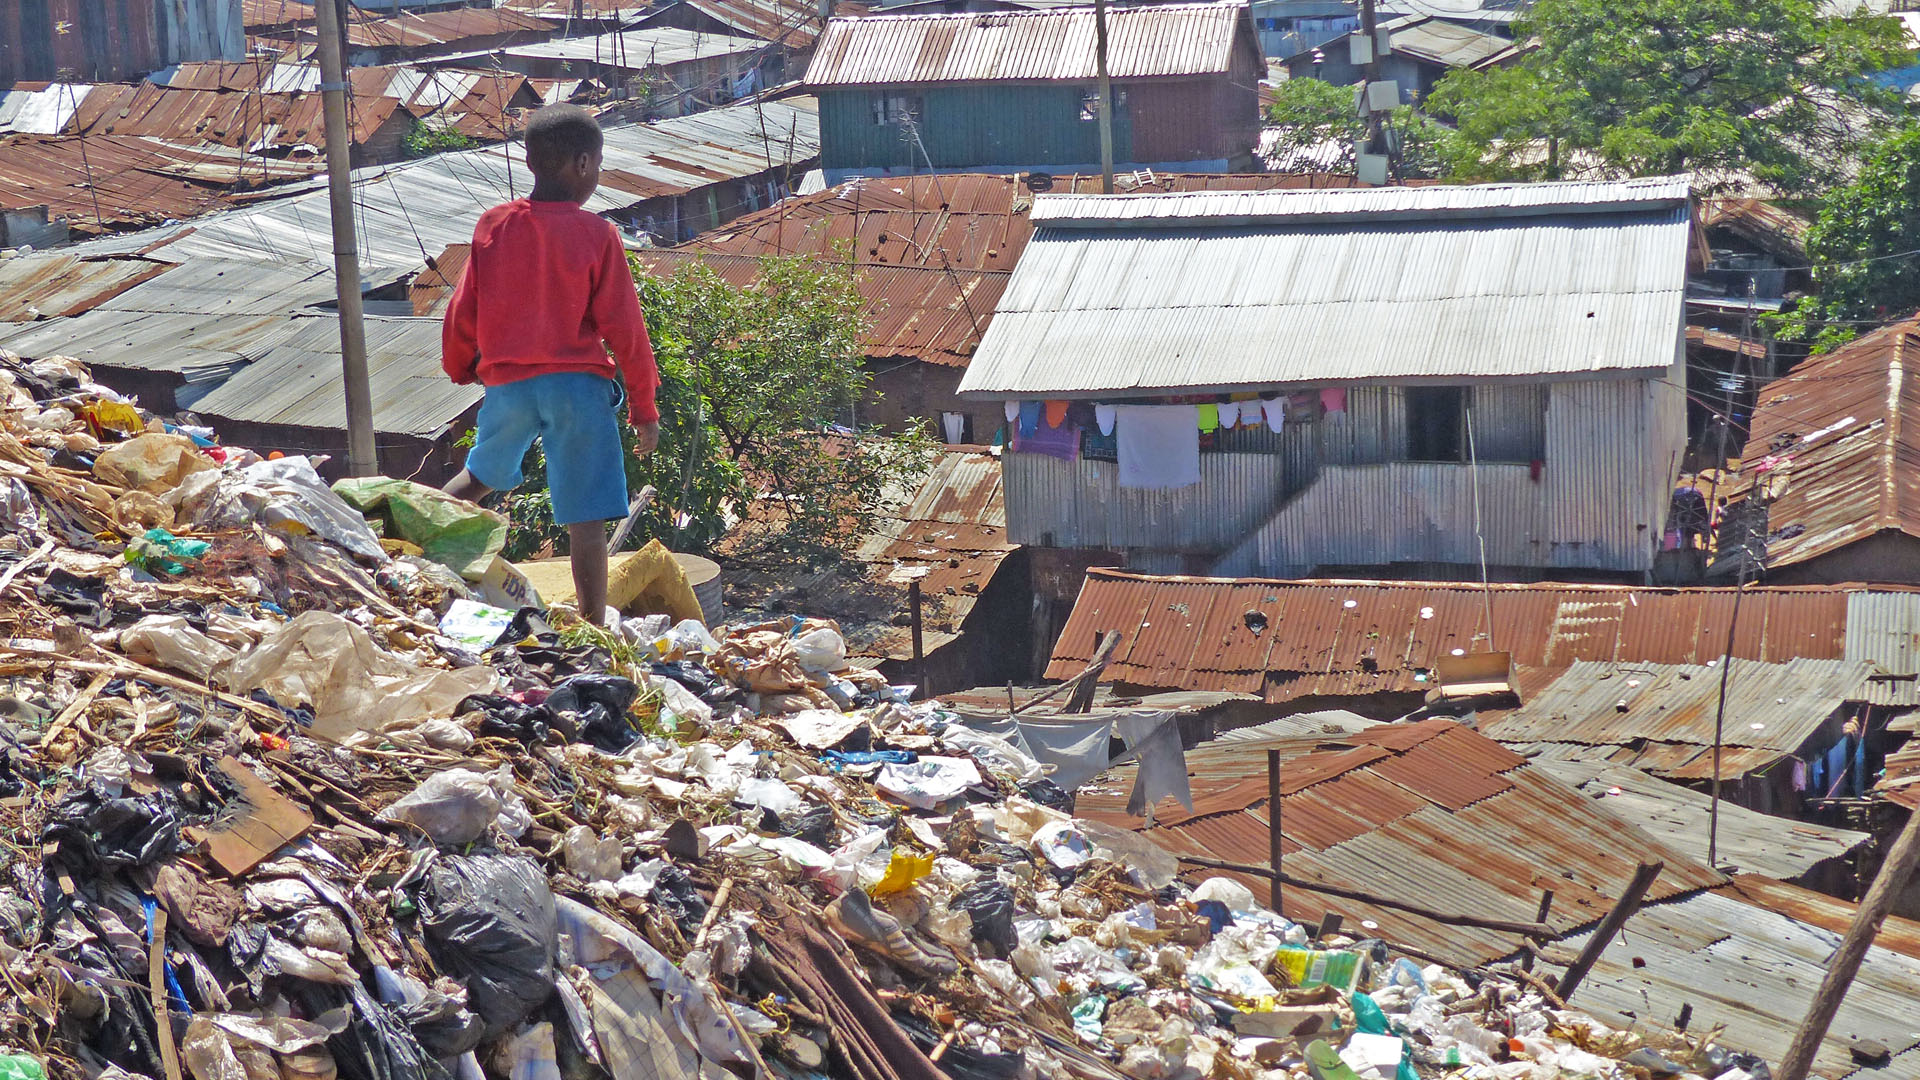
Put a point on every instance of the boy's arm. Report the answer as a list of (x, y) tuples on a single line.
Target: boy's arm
[(459, 336), (616, 313)]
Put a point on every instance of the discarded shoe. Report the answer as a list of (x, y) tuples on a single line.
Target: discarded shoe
[(854, 915)]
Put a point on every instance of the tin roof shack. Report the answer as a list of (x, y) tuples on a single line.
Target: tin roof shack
[(1422, 50), (1418, 378), (117, 183), (1435, 814), (1015, 91), (1372, 646), (420, 35), (1797, 734), (672, 71), (96, 41), (792, 26), (1828, 488)]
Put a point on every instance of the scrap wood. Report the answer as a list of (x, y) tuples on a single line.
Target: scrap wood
[(157, 987), (75, 707), (268, 822)]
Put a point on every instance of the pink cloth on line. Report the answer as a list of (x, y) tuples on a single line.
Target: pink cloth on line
[(1334, 399)]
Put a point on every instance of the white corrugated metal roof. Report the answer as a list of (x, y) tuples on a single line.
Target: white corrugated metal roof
[(1142, 42), (1214, 291), (408, 211), (45, 111)]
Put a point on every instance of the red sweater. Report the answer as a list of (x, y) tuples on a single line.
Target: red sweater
[(547, 289)]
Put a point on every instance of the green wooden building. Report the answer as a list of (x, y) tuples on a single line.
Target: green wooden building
[(1016, 91)]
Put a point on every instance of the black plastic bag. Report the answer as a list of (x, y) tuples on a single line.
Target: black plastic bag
[(698, 681), (673, 890), (443, 1026), (96, 835), (815, 826), (1048, 794), (83, 598), (596, 707), (490, 922), (506, 718), (991, 905), (377, 1044)]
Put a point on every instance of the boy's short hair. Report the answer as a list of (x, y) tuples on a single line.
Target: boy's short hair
[(558, 133)]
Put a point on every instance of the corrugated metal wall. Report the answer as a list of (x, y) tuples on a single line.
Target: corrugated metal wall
[(1081, 504), (1884, 628), (974, 125), (106, 40), (1335, 492)]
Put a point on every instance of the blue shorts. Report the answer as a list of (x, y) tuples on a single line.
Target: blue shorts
[(575, 417)]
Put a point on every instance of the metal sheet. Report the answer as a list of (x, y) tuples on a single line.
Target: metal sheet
[(1248, 291)]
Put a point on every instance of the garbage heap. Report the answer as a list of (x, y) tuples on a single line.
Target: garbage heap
[(287, 800)]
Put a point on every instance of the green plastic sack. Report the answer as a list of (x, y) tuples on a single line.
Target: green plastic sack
[(160, 552), (21, 1067), (452, 532)]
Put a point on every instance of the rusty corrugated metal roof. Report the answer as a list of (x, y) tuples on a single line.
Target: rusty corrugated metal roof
[(135, 181), (914, 311), (1440, 813), (432, 288), (1157, 41), (1834, 449), (794, 23), (241, 120), (53, 285), (1290, 639), (975, 221)]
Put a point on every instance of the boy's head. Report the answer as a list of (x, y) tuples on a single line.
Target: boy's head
[(563, 151)]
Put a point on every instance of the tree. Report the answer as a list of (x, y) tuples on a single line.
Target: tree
[(1725, 89), (1317, 126), (754, 383), (1861, 246)]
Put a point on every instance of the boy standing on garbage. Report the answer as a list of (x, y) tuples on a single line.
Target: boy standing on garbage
[(545, 298)]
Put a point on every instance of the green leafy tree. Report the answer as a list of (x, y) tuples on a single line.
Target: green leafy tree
[(1721, 88), (1861, 244), (1317, 128), (753, 383), (425, 139)]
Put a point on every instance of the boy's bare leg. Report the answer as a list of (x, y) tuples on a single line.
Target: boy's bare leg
[(589, 545), (466, 487)]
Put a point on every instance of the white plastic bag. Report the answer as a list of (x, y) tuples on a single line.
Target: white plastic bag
[(927, 783), (167, 641), (456, 806), (821, 650)]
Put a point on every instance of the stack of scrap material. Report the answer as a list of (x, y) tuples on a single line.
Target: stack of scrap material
[(296, 793)]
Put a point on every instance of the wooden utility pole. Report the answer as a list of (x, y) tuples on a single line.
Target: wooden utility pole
[(1853, 949), (1273, 829), (1623, 909), (1105, 118), (1370, 26), (361, 460)]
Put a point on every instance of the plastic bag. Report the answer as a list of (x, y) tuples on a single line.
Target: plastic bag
[(595, 708), (455, 807), (288, 495), (474, 625), (903, 869), (452, 532), (928, 782), (821, 650), (21, 1067), (590, 856), (158, 551), (490, 921), (167, 641), (990, 904), (153, 462)]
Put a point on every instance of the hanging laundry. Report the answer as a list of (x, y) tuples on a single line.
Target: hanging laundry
[(1334, 399), (1061, 442), (1159, 446), (1103, 418), (1276, 413), (1029, 417), (1209, 416), (954, 425), (1229, 414), (1013, 411), (1056, 413)]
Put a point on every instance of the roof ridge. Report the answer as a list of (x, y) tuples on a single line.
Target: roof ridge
[(1889, 491)]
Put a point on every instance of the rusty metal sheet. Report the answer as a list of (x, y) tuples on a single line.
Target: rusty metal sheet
[(50, 286), (1440, 778), (124, 182)]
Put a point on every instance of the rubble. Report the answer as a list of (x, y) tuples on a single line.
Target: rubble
[(305, 809)]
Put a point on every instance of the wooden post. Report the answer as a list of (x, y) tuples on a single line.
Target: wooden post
[(1546, 905), (361, 459), (1105, 119), (1273, 828), (1853, 949), (919, 655), (1623, 910)]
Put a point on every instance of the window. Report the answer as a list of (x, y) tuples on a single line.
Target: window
[(1089, 104), (895, 110), (1436, 428)]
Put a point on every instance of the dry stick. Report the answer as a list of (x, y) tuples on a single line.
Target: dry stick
[(1532, 929), (14, 571), (74, 708), (157, 988), (1108, 644), (720, 896), (1623, 910), (141, 671), (1853, 949)]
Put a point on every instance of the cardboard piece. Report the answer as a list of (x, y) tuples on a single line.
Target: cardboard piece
[(267, 822)]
